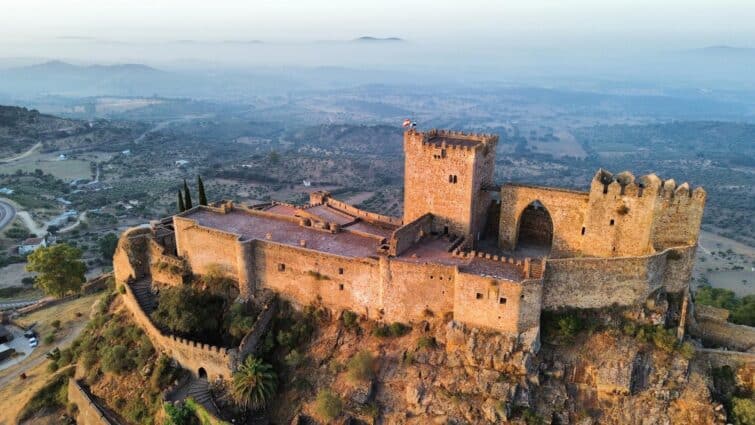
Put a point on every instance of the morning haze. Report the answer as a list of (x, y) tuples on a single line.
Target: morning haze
[(383, 212)]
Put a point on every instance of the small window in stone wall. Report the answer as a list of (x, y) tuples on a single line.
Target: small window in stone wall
[(612, 222), (502, 300), (583, 231), (479, 296), (340, 286), (340, 270), (281, 267)]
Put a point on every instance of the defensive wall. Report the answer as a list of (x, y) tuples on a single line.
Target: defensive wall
[(618, 217), (381, 287), (217, 362), (89, 413), (132, 267), (711, 325), (592, 282)]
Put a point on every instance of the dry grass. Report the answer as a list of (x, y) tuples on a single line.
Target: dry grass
[(16, 393)]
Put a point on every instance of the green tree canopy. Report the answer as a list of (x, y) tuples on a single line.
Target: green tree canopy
[(187, 196), (59, 267), (190, 312), (107, 245), (200, 188), (254, 383)]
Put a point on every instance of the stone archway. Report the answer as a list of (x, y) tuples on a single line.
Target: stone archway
[(202, 373), (534, 230)]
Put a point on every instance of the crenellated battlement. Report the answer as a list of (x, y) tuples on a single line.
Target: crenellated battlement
[(625, 184)]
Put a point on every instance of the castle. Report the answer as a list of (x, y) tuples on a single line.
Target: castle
[(492, 257)]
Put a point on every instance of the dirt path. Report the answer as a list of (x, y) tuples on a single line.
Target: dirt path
[(82, 217), (23, 155)]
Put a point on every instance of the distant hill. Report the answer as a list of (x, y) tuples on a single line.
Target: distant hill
[(369, 39), (63, 78)]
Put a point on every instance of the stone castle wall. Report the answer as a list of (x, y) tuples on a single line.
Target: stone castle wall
[(566, 208), (381, 288), (405, 236), (512, 306), (89, 413), (218, 362), (445, 180), (601, 282), (618, 217)]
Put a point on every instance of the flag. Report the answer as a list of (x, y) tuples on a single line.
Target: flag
[(407, 123)]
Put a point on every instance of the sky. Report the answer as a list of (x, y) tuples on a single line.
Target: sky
[(526, 23)]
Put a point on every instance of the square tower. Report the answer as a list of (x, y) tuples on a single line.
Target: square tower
[(447, 174)]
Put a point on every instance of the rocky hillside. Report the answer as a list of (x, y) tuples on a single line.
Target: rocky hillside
[(440, 372)]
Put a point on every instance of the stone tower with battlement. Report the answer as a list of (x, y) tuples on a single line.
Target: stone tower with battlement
[(447, 174)]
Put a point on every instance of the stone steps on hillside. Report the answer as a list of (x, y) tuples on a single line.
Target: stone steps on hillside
[(144, 296), (199, 391)]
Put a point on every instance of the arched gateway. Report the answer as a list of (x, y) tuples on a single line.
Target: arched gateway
[(535, 230)]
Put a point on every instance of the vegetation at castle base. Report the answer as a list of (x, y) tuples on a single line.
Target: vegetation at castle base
[(394, 330), (120, 365), (254, 384), (328, 405), (361, 367), (563, 327), (59, 267), (735, 394), (205, 311), (742, 309), (180, 414), (52, 396)]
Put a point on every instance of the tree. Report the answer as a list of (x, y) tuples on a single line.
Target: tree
[(254, 383), (181, 206), (200, 188), (107, 245), (187, 196), (59, 267)]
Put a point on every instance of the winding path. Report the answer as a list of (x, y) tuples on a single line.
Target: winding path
[(7, 214), (23, 155)]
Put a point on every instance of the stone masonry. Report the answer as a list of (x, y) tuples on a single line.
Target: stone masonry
[(617, 244)]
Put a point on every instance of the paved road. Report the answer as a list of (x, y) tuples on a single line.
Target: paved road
[(7, 214)]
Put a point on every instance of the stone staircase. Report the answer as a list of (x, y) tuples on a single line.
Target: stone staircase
[(199, 390), (144, 296)]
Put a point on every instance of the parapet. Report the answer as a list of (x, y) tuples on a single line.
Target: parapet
[(452, 139), (625, 184)]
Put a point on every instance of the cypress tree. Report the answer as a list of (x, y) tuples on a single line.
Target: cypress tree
[(187, 196), (181, 206), (200, 188)]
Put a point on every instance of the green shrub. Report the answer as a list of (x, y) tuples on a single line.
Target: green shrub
[(136, 411), (66, 357), (117, 359), (328, 405), (349, 319), (361, 366), (55, 324), (121, 289), (53, 395), (161, 374), (52, 366), (395, 329), (426, 342), (743, 410), (49, 339), (294, 358), (180, 414), (664, 339)]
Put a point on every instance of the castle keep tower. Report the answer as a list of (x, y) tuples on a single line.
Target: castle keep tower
[(445, 173)]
